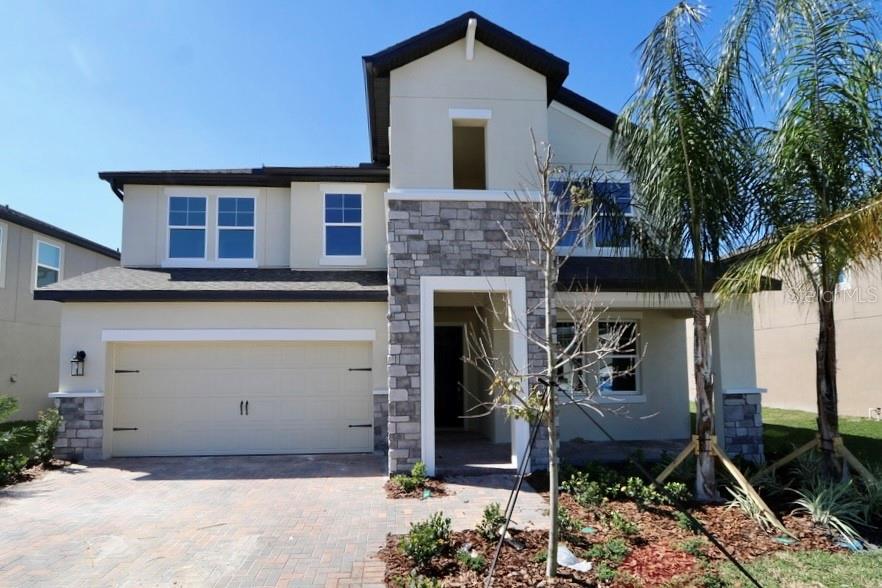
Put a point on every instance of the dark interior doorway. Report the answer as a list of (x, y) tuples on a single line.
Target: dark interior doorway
[(449, 400)]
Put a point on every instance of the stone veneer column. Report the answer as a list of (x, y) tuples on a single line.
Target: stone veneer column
[(449, 238), (81, 433), (381, 422), (743, 424)]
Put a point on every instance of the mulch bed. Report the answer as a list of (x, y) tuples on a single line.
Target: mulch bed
[(657, 553), (436, 487), (36, 471)]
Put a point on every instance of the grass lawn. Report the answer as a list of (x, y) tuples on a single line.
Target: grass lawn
[(22, 444), (786, 429), (810, 568)]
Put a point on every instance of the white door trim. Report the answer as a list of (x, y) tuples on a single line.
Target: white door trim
[(516, 289), (142, 335)]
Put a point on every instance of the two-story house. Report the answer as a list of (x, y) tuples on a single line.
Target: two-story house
[(310, 310), (34, 254)]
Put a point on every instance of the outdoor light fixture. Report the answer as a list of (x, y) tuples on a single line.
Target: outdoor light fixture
[(78, 363)]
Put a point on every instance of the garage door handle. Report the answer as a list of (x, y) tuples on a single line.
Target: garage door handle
[(359, 426), (241, 403), (125, 428), (246, 408), (127, 371), (360, 369)]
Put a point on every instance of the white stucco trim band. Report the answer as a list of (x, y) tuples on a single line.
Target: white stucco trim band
[(733, 391), (516, 289), (451, 195), (145, 335), (77, 394)]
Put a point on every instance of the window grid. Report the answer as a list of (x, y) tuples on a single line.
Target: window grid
[(186, 214), (344, 211), (235, 216), (49, 261), (630, 333), (620, 193)]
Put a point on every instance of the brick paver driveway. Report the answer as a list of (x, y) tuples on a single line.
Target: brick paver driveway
[(220, 521)]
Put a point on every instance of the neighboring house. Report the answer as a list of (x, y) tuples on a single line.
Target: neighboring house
[(786, 334), (323, 309), (35, 254)]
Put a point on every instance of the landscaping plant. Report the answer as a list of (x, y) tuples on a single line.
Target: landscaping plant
[(491, 522), (47, 430), (835, 506), (414, 481), (426, 539)]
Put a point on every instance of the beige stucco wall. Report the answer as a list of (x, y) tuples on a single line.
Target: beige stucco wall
[(422, 94), (29, 328), (145, 222), (307, 223), (786, 332), (578, 142), (662, 378)]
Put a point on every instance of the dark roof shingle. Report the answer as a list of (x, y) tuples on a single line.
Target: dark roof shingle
[(19, 218)]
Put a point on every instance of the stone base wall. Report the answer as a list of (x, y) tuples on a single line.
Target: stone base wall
[(381, 422), (743, 425), (81, 433), (449, 238)]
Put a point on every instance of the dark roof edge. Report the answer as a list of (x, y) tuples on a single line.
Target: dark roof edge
[(278, 177), (587, 108), (19, 218), (209, 296)]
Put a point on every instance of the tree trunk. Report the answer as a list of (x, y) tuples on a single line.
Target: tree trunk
[(705, 476), (828, 396), (551, 415)]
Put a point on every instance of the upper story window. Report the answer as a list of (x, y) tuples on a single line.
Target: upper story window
[(611, 208), (619, 375), (48, 264), (186, 227), (235, 228), (469, 155), (343, 225)]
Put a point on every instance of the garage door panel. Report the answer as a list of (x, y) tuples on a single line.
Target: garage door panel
[(185, 400)]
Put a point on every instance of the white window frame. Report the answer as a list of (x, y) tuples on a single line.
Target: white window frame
[(234, 261), (37, 242), (591, 248), (342, 260), (3, 232), (623, 396), (185, 261)]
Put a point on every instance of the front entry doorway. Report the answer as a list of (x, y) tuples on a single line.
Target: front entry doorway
[(449, 371)]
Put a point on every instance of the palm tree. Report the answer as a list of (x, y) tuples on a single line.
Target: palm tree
[(822, 168), (684, 139)]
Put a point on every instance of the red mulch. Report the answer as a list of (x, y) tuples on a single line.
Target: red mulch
[(657, 555), (436, 487)]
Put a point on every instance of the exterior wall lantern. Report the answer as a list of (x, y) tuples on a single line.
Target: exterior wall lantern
[(78, 363)]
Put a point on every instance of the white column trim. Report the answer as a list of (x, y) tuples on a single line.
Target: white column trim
[(516, 288), (143, 335)]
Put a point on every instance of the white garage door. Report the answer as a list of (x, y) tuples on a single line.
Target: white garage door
[(241, 398)]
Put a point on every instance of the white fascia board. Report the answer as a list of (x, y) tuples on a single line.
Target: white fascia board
[(147, 335)]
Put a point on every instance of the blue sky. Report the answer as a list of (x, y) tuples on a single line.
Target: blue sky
[(120, 85)]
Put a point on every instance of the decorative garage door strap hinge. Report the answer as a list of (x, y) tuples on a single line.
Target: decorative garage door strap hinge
[(127, 371), (359, 426), (360, 369), (125, 428)]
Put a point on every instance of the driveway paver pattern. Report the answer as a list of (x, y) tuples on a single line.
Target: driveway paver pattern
[(222, 521)]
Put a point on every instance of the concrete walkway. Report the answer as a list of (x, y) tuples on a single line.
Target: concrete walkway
[(221, 521)]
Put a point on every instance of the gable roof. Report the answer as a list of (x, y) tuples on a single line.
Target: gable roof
[(587, 108), (23, 220), (378, 66)]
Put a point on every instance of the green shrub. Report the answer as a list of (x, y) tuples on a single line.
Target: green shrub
[(742, 500), (541, 556), (613, 551), (595, 484), (471, 560), (419, 471), (694, 546), (623, 525), (8, 406), (47, 429), (413, 481), (415, 580), (426, 539), (567, 523), (605, 573), (685, 523), (491, 522), (11, 466), (835, 506)]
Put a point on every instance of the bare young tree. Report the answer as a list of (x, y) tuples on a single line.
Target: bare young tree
[(553, 219)]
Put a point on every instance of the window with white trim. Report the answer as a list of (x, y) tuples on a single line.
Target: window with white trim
[(343, 225), (186, 227), (620, 373), (612, 204), (570, 230), (48, 264), (569, 377), (235, 227)]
